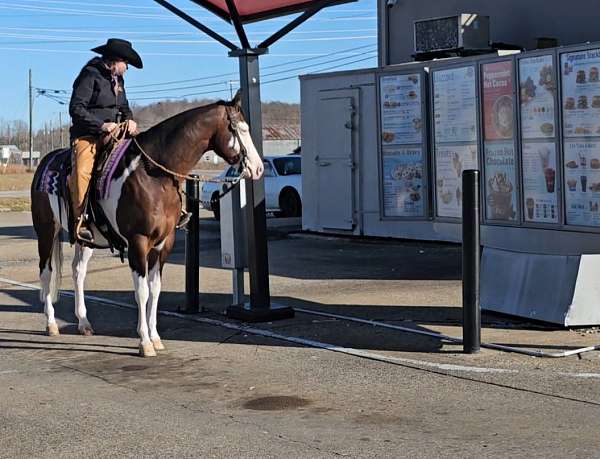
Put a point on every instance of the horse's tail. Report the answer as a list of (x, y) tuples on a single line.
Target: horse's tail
[(55, 265), (57, 262)]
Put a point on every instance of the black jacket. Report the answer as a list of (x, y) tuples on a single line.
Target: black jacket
[(93, 101)]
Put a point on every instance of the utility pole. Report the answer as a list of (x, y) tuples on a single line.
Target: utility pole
[(46, 143), (60, 126), (30, 124), (51, 136)]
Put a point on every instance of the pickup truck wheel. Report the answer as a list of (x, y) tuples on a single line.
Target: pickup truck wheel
[(215, 206), (289, 203)]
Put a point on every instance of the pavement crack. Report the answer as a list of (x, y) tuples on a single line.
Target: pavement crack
[(233, 335), (107, 381)]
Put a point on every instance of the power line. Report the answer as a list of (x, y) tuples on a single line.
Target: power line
[(156, 8), (231, 34), (320, 70), (262, 76), (218, 83), (76, 12), (338, 66), (296, 61)]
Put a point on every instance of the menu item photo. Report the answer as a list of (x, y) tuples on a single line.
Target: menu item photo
[(582, 177), (400, 108), (537, 84), (450, 161), (403, 182), (581, 93), (498, 107), (500, 173), (538, 161)]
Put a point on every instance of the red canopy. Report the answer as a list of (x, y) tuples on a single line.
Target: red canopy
[(253, 10)]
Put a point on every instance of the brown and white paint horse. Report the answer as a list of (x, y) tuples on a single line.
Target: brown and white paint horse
[(143, 206)]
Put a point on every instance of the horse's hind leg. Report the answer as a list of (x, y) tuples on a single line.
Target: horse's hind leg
[(80, 262), (50, 253)]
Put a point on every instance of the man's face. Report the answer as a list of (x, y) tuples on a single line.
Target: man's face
[(119, 68)]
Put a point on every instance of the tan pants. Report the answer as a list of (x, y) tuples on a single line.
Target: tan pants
[(82, 160)]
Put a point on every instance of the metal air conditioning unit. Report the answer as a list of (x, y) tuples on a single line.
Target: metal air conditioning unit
[(461, 34)]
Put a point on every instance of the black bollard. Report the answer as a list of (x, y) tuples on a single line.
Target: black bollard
[(470, 262), (192, 243)]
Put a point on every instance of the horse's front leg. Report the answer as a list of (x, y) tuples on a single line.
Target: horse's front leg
[(156, 260), (80, 262), (138, 262)]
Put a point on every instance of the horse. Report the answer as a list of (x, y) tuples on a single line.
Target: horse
[(143, 204)]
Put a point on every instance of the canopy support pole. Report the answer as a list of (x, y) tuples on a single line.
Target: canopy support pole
[(260, 308)]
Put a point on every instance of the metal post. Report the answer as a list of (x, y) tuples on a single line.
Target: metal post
[(470, 262), (260, 308), (192, 251)]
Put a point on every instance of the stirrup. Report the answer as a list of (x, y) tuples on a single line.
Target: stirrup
[(184, 219), (83, 233)]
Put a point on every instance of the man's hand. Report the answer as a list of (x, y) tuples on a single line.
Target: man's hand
[(132, 127), (109, 127)]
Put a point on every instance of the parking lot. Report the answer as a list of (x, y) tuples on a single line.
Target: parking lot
[(312, 386)]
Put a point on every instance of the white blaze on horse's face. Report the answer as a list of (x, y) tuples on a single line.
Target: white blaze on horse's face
[(254, 165)]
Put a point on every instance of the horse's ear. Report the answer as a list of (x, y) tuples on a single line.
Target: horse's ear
[(237, 99)]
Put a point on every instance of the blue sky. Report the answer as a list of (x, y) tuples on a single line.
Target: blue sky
[(53, 38)]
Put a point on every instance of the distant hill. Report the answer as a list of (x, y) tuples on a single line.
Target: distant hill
[(273, 113)]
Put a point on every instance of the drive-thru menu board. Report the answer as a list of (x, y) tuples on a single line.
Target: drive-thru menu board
[(455, 105), (499, 151), (455, 129), (403, 182), (401, 119), (401, 111), (537, 96), (581, 131)]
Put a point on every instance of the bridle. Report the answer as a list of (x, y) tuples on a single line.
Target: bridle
[(228, 185), (234, 128)]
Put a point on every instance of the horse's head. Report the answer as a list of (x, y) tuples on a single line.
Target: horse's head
[(233, 142)]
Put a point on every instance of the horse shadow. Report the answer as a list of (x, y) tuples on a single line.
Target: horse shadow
[(118, 322), (18, 232)]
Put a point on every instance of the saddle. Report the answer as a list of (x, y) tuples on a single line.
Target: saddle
[(54, 180)]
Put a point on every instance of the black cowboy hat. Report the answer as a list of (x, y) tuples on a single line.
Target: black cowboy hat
[(115, 47)]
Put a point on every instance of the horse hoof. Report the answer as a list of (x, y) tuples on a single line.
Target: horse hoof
[(52, 330), (158, 345), (147, 350), (86, 331)]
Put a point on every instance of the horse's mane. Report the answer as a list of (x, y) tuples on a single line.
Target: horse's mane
[(167, 126)]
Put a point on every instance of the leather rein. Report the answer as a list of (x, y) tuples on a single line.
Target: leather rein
[(228, 185)]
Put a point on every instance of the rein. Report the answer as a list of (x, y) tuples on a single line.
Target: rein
[(228, 185)]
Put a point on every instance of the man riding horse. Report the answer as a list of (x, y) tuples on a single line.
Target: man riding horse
[(98, 106)]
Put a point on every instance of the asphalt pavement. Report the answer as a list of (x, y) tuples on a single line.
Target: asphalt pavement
[(313, 386)]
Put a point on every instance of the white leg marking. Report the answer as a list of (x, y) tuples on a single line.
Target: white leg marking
[(140, 284), (154, 283), (110, 205), (46, 295), (80, 262)]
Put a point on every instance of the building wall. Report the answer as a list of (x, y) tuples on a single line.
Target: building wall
[(279, 147), (518, 22)]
